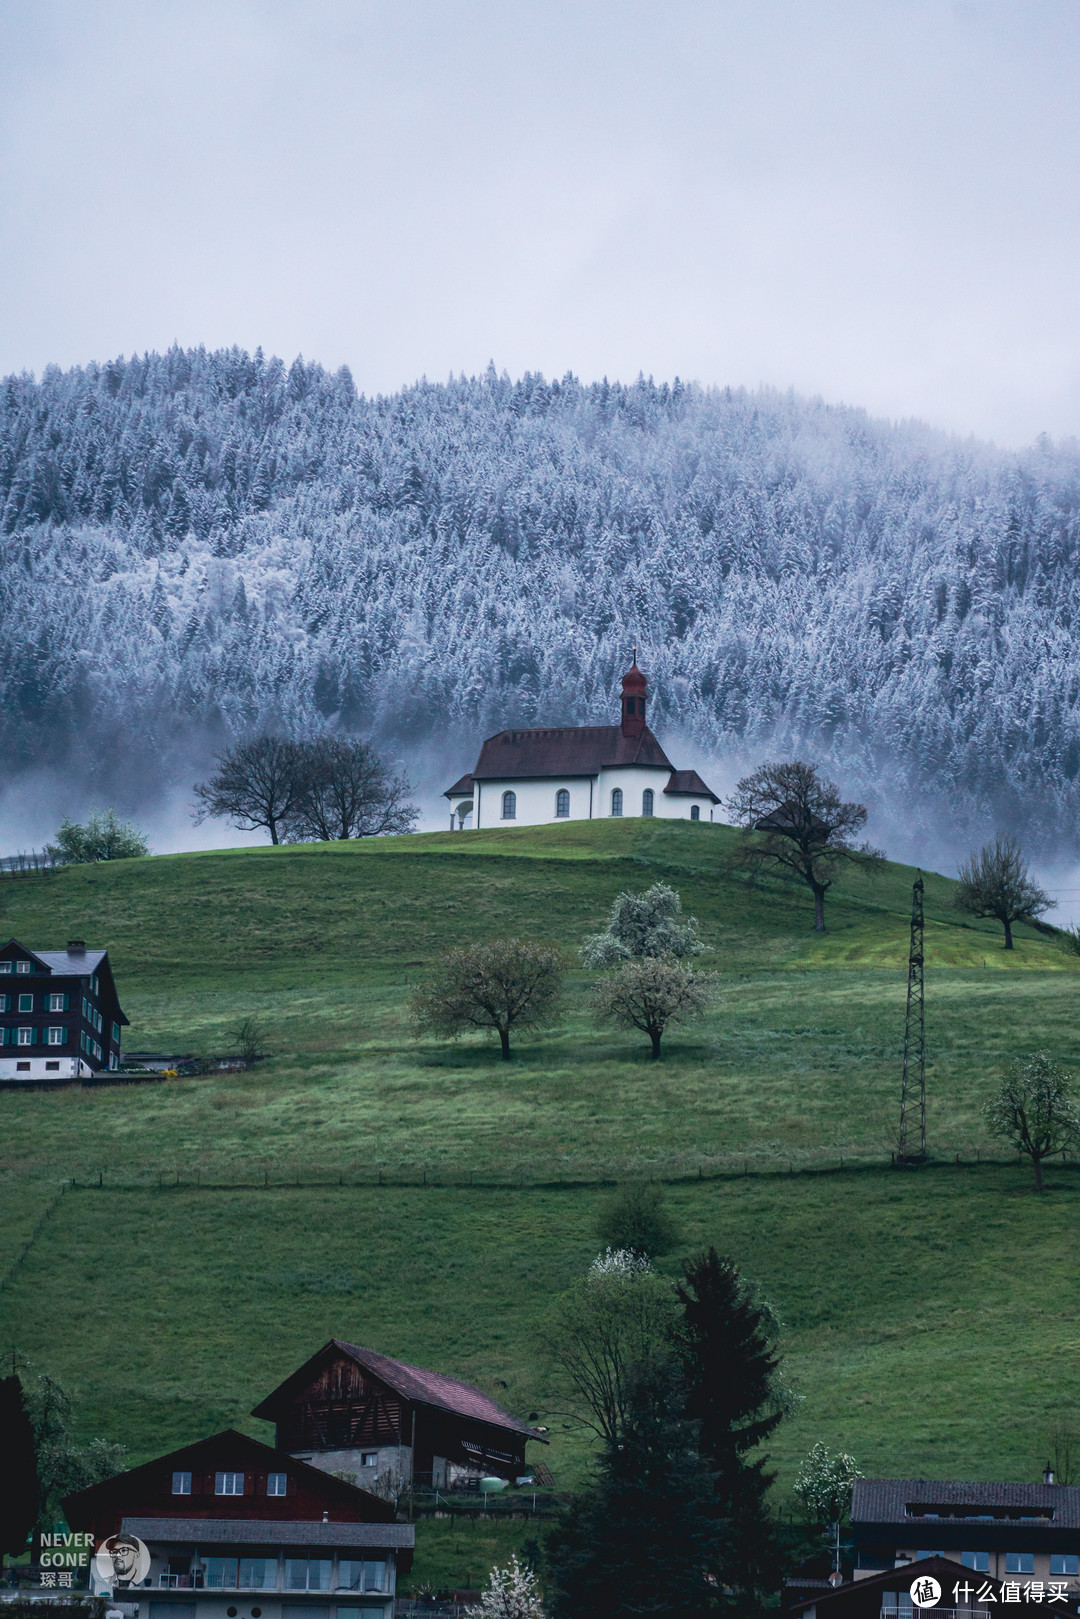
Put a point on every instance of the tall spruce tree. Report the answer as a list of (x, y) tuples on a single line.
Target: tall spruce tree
[(727, 1345), (644, 1538), (18, 1473)]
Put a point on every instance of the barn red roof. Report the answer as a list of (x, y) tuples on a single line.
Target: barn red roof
[(412, 1383)]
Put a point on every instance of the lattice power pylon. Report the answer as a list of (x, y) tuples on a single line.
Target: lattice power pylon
[(912, 1135)]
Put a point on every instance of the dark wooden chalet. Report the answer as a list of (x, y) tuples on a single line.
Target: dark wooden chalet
[(60, 1015), (354, 1411), (231, 1520), (962, 1593)]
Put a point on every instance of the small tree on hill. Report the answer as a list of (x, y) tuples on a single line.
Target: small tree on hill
[(636, 1218), (1035, 1109), (513, 1593), (104, 836), (651, 994), (995, 882), (257, 784), (824, 1484), (800, 824), (347, 792), (642, 925), (499, 987)]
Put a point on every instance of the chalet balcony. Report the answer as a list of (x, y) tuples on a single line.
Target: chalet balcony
[(181, 1582)]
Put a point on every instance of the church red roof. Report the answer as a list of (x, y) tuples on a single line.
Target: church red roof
[(688, 784), (566, 751)]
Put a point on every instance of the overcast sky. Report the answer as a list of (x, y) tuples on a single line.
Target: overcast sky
[(876, 202)]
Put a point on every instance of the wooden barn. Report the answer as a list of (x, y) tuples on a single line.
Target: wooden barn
[(355, 1412)]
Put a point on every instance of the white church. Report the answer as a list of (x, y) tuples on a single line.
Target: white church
[(580, 773)]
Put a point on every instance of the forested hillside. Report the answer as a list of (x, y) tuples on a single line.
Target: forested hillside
[(196, 543)]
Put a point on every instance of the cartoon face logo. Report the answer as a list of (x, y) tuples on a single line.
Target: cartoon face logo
[(925, 1591), (122, 1560)]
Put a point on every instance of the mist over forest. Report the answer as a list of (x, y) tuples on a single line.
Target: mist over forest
[(197, 545)]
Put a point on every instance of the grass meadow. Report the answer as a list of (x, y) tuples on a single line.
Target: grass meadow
[(930, 1318)]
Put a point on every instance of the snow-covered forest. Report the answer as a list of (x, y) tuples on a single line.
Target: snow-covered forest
[(197, 544)]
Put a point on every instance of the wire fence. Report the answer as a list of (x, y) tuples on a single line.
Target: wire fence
[(36, 863)]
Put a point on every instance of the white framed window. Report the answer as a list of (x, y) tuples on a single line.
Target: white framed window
[(5, 1003), (26, 1003), (647, 801), (369, 1458), (57, 1034), (1019, 1562), (181, 1484), (1064, 1563), (509, 806), (562, 805), (277, 1483), (22, 966), (229, 1484), (58, 1003), (616, 801), (26, 1037), (6, 967)]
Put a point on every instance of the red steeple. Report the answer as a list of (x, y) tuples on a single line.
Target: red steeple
[(634, 694)]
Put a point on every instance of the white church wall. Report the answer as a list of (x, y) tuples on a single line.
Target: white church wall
[(634, 780), (535, 801)]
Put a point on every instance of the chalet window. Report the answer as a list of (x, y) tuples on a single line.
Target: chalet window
[(221, 1572), (1019, 1562), (229, 1484), (26, 1003), (562, 804), (1064, 1563), (695, 812), (22, 966), (58, 1003), (57, 1035), (115, 1034), (369, 1458), (258, 1573), (94, 985), (509, 806), (616, 801), (365, 1576), (26, 1037), (307, 1573), (5, 1003), (6, 967), (979, 1561), (276, 1483), (647, 801), (181, 1484)]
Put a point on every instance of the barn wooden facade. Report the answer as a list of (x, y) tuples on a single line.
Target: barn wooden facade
[(351, 1410)]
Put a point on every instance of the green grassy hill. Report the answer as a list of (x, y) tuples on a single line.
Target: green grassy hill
[(930, 1318)]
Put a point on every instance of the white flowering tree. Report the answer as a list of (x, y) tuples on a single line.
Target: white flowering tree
[(824, 1484), (512, 1593)]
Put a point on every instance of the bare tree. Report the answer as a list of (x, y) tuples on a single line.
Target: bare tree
[(995, 882), (249, 1041), (256, 784), (612, 1324), (650, 994), (346, 792), (506, 985), (800, 824), (1035, 1109)]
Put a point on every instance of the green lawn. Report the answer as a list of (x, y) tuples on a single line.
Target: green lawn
[(930, 1318)]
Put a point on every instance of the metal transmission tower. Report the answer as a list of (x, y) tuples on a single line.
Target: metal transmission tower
[(912, 1136)]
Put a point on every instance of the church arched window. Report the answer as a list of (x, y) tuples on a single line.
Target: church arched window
[(509, 807), (695, 812), (562, 804), (647, 802), (616, 801)]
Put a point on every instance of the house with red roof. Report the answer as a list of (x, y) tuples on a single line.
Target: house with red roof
[(579, 773), (367, 1417)]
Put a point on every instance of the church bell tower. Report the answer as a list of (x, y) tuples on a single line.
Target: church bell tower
[(634, 693)]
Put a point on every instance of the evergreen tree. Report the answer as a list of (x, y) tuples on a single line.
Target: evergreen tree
[(18, 1473), (644, 1537), (727, 1347)]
